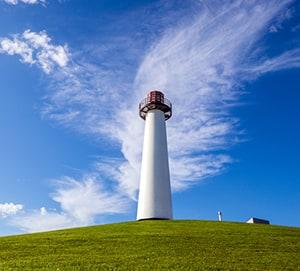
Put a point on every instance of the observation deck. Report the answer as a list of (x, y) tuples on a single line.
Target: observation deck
[(155, 100)]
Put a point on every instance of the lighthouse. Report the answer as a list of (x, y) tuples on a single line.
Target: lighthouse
[(155, 200)]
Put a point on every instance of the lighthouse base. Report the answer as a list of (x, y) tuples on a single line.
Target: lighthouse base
[(153, 218)]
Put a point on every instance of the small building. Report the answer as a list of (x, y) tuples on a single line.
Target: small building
[(255, 220)]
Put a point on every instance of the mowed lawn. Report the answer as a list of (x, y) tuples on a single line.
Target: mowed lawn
[(156, 245)]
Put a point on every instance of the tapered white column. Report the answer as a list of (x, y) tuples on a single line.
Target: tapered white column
[(155, 193)]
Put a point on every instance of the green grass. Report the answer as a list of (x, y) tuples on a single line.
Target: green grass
[(156, 245)]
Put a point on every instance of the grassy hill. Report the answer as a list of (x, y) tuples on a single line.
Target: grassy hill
[(156, 245)]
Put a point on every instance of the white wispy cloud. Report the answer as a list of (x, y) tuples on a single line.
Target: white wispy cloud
[(31, 2), (9, 209), (42, 220), (80, 203), (36, 48), (280, 20), (200, 64), (85, 199), (287, 60)]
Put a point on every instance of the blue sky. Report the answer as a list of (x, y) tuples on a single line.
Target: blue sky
[(73, 72)]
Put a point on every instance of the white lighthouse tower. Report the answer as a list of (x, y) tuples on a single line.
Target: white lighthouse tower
[(155, 200)]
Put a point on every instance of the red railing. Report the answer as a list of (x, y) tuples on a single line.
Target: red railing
[(150, 100)]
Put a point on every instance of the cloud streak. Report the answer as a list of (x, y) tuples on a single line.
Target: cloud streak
[(86, 199), (80, 203), (287, 60), (30, 2), (42, 220), (36, 48), (9, 209), (201, 64)]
